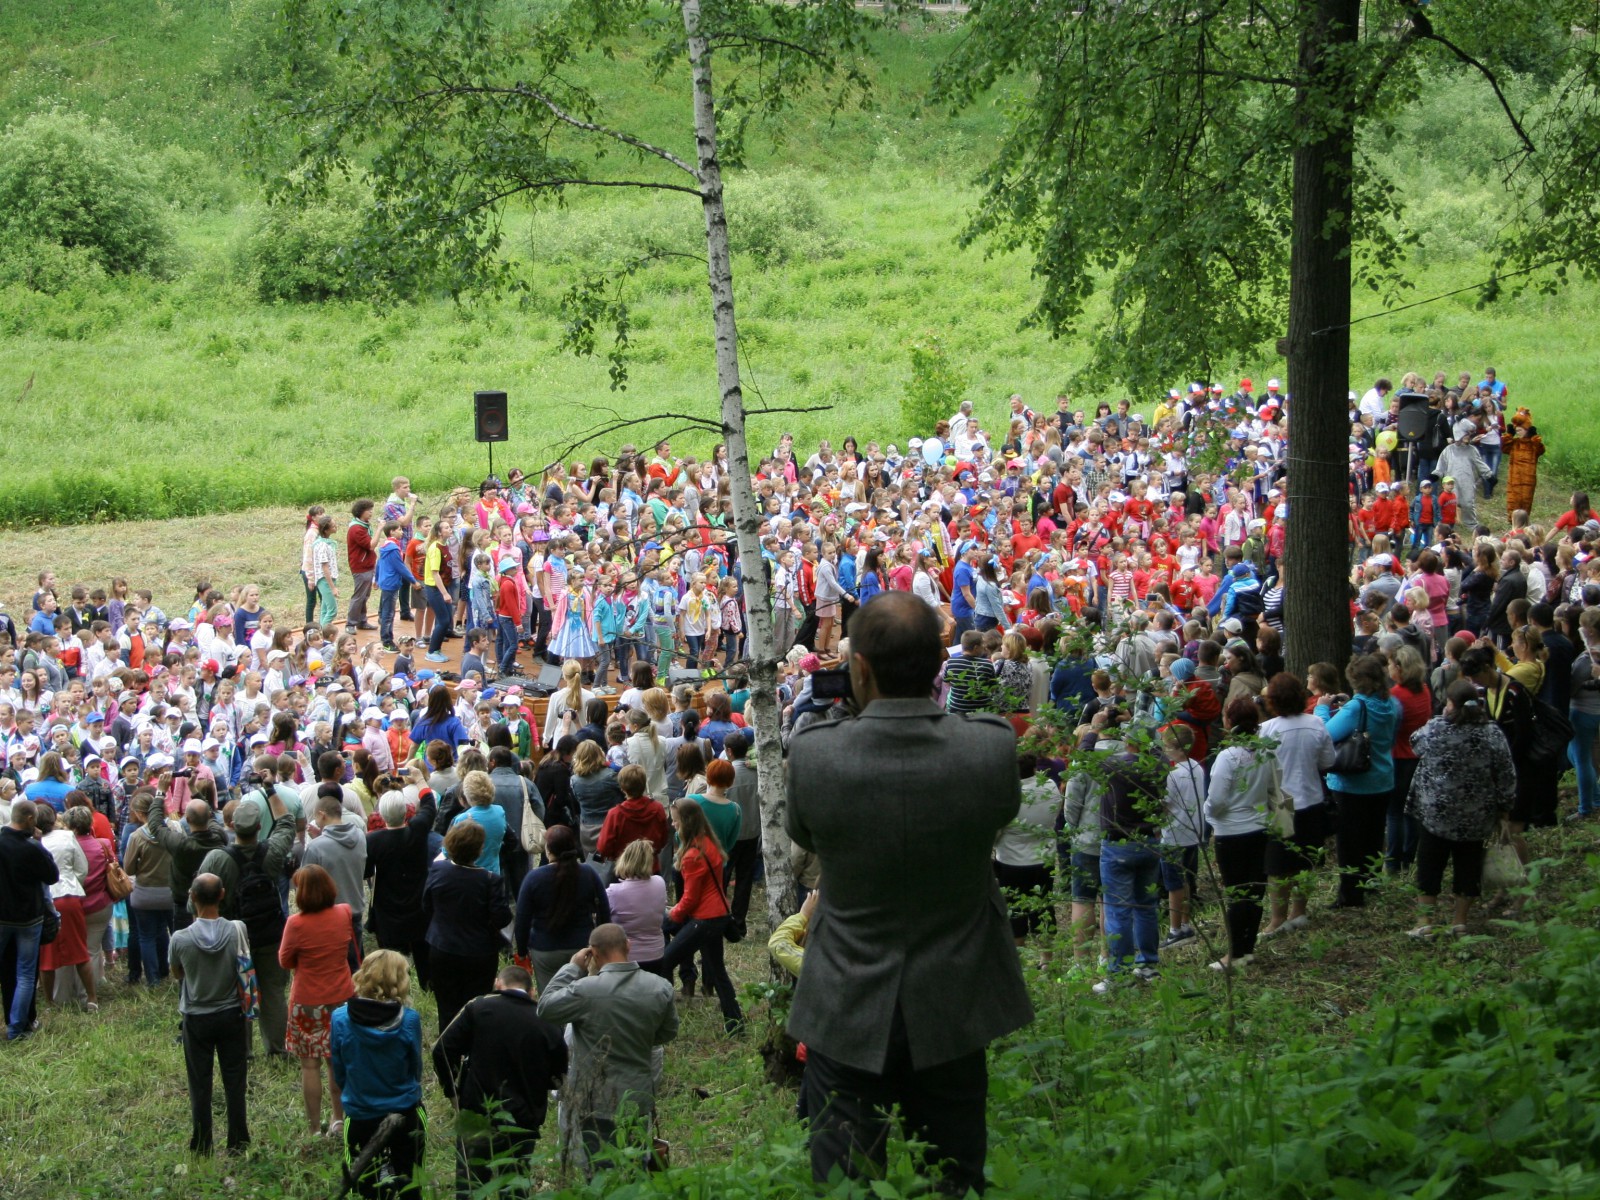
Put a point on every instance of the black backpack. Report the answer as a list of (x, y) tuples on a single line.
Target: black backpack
[(258, 905)]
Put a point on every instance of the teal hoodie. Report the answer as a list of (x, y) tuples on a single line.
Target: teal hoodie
[(377, 1057)]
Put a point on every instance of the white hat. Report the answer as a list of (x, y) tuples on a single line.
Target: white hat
[(1118, 498), (108, 744), (1233, 625), (372, 714), (1353, 397), (272, 654), (397, 684), (512, 701), (156, 761), (1274, 384), (210, 744), (1258, 523), (915, 444), (1382, 488), (1382, 560), (399, 714), (192, 746), (258, 739), (1271, 492)]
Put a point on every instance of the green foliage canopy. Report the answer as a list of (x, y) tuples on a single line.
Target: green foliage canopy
[(82, 187)]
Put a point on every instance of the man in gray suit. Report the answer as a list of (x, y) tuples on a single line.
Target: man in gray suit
[(619, 1014), (910, 968)]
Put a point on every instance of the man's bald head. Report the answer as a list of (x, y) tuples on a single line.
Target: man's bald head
[(205, 892), (198, 814)]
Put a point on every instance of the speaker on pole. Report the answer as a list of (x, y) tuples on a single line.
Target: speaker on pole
[(1412, 422), (490, 422)]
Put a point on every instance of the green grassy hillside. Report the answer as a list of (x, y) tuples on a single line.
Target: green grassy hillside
[(138, 397)]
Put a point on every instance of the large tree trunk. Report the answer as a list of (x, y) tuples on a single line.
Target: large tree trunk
[(746, 513), (1316, 606)]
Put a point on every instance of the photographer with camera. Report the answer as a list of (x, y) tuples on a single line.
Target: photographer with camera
[(910, 973)]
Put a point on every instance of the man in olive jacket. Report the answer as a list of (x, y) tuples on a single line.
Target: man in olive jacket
[(910, 967)]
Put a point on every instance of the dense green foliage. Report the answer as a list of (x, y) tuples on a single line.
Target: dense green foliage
[(71, 185), (194, 392)]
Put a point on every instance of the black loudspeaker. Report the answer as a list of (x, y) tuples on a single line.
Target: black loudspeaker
[(1412, 423), (489, 419)]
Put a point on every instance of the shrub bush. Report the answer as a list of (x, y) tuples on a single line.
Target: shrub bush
[(936, 387), (84, 187), (302, 251)]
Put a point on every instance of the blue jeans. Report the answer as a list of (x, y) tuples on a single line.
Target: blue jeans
[(26, 938), (151, 930), (697, 645), (507, 632), (1580, 750), (439, 603), (386, 605), (1130, 882), (1491, 458)]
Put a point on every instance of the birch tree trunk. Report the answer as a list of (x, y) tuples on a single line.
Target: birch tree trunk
[(746, 513)]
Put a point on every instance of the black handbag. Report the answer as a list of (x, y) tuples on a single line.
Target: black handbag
[(1353, 756), (1551, 734)]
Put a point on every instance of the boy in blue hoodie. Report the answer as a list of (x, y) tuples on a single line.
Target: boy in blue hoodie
[(376, 1043), (392, 574)]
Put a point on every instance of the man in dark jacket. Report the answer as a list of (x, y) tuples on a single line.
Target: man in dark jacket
[(498, 1061), (25, 871), (1512, 585), (397, 863), (188, 846)]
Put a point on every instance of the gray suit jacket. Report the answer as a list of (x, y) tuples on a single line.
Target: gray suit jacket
[(902, 804), (618, 1016)]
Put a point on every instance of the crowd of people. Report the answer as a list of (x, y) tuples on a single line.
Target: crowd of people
[(192, 794)]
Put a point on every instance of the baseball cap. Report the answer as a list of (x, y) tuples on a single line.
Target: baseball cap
[(1274, 384), (247, 819), (372, 714), (193, 746), (1448, 479), (1233, 625), (510, 701), (1245, 385)]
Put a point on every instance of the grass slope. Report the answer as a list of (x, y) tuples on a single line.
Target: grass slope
[(96, 1106)]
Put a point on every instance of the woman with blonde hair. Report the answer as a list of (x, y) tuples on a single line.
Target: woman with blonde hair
[(376, 1042), (567, 705), (644, 748), (637, 899), (595, 789)]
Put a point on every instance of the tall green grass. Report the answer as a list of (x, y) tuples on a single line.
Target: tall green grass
[(143, 399)]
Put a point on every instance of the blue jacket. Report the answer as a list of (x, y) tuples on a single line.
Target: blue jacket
[(377, 1057), (392, 569), (1382, 720), (608, 617)]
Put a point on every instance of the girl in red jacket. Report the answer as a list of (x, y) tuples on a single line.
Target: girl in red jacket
[(701, 915)]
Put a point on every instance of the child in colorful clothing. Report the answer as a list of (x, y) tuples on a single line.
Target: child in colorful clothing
[(609, 612), (572, 621), (732, 622)]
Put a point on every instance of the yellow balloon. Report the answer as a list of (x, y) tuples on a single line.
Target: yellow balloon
[(1388, 440)]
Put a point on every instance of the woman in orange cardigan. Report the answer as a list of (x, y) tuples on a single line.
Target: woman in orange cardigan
[(698, 920), (315, 946)]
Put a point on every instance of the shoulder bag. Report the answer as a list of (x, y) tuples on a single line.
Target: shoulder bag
[(533, 829), (117, 882), (245, 973), (1353, 756)]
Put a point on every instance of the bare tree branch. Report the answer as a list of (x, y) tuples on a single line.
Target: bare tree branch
[(628, 139)]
